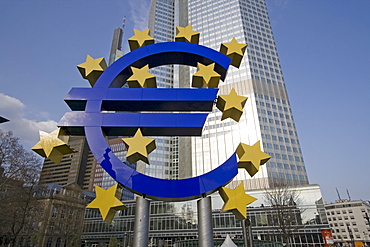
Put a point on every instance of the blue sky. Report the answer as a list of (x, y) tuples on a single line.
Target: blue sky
[(323, 45)]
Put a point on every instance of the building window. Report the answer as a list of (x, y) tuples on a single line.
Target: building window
[(55, 212), (63, 213), (59, 241), (49, 242), (51, 226)]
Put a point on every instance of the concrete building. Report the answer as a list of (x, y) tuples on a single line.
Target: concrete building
[(61, 223), (77, 167), (58, 217), (349, 221)]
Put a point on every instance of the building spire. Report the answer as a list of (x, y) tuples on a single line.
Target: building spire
[(116, 48), (123, 23)]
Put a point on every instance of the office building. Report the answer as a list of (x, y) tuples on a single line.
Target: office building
[(267, 115), (58, 220), (116, 47), (77, 167), (176, 223), (349, 221)]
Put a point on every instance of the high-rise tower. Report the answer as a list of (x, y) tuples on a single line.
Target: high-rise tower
[(77, 167), (267, 115)]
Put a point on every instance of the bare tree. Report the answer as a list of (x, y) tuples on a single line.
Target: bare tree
[(15, 162), (70, 228), (18, 188), (284, 202)]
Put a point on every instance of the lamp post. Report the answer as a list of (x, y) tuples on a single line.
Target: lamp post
[(250, 235), (247, 233)]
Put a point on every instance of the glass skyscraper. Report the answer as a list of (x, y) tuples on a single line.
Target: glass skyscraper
[(267, 118), (267, 114)]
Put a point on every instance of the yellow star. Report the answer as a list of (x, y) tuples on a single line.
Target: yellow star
[(141, 78), (233, 50), (231, 105), (53, 145), (92, 69), (187, 34), (206, 76), (107, 201), (251, 157), (141, 38), (138, 147), (236, 201)]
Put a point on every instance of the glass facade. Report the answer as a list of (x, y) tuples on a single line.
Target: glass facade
[(164, 159), (173, 223), (267, 115)]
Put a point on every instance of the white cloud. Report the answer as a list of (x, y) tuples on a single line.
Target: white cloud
[(281, 3), (140, 19), (26, 130)]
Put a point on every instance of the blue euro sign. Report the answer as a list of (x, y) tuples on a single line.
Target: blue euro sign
[(107, 95)]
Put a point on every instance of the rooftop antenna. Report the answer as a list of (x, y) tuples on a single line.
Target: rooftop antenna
[(338, 193), (349, 197), (123, 22)]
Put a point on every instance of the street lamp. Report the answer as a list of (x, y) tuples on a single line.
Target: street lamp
[(247, 232)]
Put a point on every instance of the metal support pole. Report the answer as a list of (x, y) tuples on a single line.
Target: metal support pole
[(250, 234), (205, 227), (245, 234), (141, 227)]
